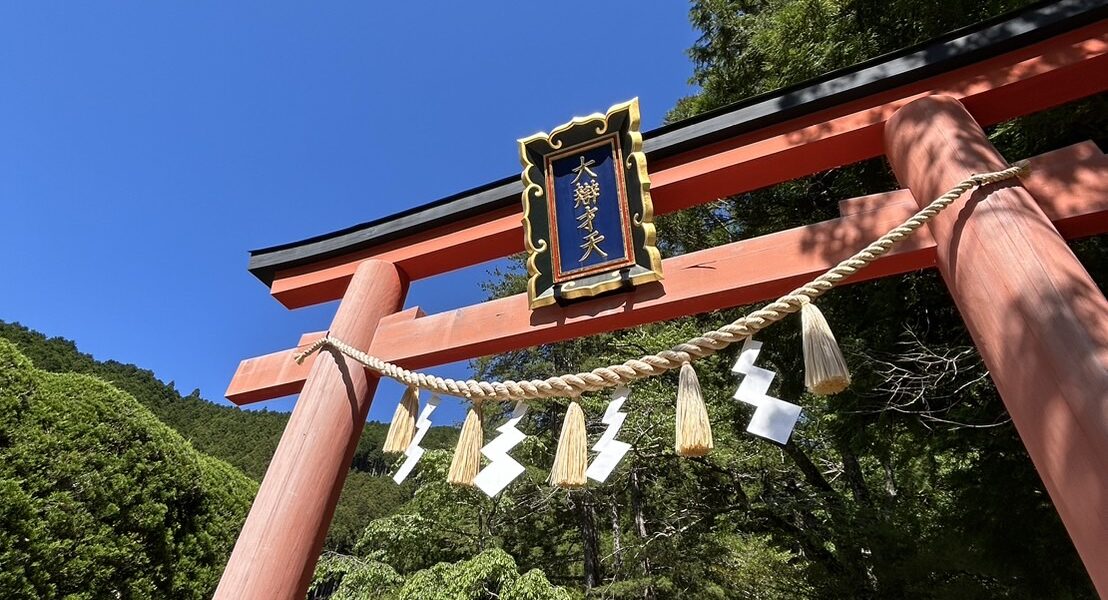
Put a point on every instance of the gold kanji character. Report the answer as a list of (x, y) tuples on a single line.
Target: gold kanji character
[(583, 168), (585, 194), (587, 218), (592, 242)]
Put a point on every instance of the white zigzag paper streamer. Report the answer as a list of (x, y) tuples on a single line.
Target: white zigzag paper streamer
[(503, 469), (773, 419), (414, 452), (611, 451)]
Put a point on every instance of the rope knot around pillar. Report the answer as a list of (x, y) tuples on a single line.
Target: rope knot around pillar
[(1018, 169)]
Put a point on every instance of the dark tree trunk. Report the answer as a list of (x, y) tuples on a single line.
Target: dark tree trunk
[(854, 477), (810, 471), (617, 543), (636, 505), (852, 555), (640, 527), (590, 540)]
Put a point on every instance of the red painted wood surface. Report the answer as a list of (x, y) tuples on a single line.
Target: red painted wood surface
[(271, 376), (467, 242), (277, 374), (1035, 315), (1071, 185), (280, 542), (1040, 76)]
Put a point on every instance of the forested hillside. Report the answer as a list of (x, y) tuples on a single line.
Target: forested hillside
[(246, 439), (911, 484)]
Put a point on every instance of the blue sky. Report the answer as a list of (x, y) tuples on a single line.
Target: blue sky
[(146, 147)]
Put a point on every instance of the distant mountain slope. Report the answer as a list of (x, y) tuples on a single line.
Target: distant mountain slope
[(246, 439)]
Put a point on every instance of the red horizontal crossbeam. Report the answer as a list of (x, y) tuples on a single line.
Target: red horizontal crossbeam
[(1071, 184), (1052, 72), (271, 376), (278, 374)]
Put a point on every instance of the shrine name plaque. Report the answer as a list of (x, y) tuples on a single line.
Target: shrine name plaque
[(587, 216)]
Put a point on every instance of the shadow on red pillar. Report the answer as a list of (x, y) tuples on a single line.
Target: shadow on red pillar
[(1037, 318), (280, 542)]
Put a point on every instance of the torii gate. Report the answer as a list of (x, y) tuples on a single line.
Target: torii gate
[(1036, 316)]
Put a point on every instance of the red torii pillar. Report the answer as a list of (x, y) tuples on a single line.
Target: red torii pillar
[(1035, 314), (288, 520)]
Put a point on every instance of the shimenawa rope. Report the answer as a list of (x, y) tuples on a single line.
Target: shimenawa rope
[(707, 344)]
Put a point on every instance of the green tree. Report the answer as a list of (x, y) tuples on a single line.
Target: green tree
[(490, 574), (245, 439), (98, 499)]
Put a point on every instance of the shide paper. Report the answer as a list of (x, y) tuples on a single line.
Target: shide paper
[(502, 469), (773, 419), (610, 450), (414, 452)]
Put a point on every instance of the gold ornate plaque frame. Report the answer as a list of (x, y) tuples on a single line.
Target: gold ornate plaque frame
[(641, 262)]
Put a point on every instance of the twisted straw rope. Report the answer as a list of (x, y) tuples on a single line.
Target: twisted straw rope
[(707, 344)]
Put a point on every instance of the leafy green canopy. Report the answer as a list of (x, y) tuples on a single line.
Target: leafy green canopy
[(491, 574), (98, 499), (431, 551)]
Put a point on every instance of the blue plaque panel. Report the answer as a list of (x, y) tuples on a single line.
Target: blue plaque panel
[(589, 209), (587, 216)]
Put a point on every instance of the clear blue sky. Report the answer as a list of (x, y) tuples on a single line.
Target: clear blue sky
[(145, 147)]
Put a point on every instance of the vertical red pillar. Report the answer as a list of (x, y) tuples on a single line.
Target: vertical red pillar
[(1037, 318), (279, 545)]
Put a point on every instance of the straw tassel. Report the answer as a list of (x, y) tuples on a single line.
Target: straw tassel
[(403, 422), (694, 430), (571, 459), (825, 370), (467, 456)]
